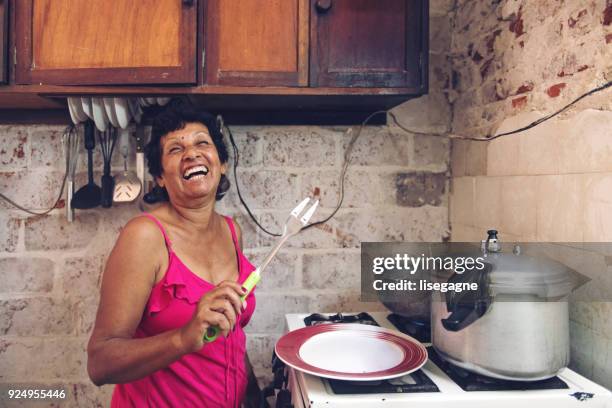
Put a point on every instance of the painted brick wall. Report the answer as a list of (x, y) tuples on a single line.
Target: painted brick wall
[(514, 62), (397, 189)]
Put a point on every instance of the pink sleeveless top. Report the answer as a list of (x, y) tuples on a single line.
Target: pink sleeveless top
[(215, 376)]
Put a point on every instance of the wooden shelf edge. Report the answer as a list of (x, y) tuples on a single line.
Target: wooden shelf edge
[(57, 90)]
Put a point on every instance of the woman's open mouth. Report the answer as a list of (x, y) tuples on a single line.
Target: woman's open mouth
[(195, 172)]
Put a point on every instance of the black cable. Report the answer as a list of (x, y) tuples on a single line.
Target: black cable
[(236, 158), (67, 134), (347, 159), (490, 137), (349, 149)]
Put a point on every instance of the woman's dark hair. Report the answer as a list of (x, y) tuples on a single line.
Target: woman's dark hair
[(174, 116)]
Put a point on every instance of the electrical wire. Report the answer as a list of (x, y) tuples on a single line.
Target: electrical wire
[(347, 159), (349, 149), (69, 133), (347, 156), (490, 137)]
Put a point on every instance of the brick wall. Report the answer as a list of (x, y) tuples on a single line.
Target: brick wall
[(514, 62)]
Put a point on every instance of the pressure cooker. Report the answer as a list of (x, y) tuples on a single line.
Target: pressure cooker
[(515, 326)]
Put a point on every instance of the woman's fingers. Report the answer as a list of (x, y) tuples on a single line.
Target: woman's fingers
[(234, 292), (224, 306), (218, 319), (231, 295)]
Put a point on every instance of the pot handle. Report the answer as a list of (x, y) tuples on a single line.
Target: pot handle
[(467, 307)]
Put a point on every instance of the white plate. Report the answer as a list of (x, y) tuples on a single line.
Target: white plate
[(86, 103), (99, 114), (109, 106), (77, 109), (162, 101), (122, 110), (151, 101), (352, 352), (73, 116)]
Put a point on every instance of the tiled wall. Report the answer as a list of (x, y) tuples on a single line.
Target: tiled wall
[(50, 269), (514, 62)]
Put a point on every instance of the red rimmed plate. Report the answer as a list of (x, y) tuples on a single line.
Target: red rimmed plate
[(355, 352)]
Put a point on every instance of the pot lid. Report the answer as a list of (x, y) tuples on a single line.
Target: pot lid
[(511, 271), (518, 274)]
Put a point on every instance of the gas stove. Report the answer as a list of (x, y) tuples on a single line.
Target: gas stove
[(436, 384)]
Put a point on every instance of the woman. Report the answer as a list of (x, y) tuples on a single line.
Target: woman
[(173, 273)]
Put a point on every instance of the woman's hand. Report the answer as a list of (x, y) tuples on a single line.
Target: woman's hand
[(220, 307)]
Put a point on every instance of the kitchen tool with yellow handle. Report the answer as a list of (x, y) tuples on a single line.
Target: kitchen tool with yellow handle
[(293, 225)]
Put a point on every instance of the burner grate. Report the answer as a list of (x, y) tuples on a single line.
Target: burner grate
[(469, 381), (417, 327), (318, 318), (410, 383)]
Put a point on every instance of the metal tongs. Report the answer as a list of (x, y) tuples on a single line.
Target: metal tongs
[(292, 226)]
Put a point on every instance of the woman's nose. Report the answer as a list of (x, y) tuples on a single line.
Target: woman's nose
[(191, 152)]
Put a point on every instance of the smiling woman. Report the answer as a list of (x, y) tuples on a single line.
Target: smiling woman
[(172, 274)]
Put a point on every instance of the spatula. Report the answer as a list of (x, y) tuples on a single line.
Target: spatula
[(127, 185), (89, 195)]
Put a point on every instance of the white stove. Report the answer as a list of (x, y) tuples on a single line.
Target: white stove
[(311, 391)]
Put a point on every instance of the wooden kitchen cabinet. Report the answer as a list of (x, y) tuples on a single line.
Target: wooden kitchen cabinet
[(365, 43), (78, 42), (256, 42), (3, 40)]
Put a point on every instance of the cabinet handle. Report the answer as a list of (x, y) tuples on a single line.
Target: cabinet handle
[(323, 6)]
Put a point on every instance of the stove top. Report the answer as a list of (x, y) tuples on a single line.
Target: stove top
[(416, 390), (469, 381)]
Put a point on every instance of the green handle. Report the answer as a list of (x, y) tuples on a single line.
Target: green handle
[(213, 331)]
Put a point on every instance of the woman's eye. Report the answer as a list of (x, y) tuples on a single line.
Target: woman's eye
[(203, 142), (173, 149)]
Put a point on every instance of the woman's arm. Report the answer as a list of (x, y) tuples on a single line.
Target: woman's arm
[(129, 276)]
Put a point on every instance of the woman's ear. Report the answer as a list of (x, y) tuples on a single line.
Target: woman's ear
[(160, 181), (224, 168)]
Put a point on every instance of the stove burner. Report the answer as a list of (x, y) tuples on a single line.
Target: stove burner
[(410, 383), (317, 318), (469, 381), (418, 327)]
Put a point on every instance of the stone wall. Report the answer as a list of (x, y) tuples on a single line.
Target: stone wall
[(50, 269), (514, 62)]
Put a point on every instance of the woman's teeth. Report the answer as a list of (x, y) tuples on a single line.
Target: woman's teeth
[(195, 172)]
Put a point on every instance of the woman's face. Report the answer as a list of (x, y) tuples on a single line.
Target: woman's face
[(191, 167)]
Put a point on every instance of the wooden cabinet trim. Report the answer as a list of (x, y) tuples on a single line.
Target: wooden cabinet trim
[(4, 22), (26, 73)]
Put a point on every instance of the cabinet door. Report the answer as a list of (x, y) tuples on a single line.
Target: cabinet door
[(369, 43), (3, 40), (105, 42), (257, 42)]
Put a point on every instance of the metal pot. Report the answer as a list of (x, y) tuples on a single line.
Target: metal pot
[(515, 326)]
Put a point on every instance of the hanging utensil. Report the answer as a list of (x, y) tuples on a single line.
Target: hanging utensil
[(127, 184), (140, 143), (88, 196), (71, 153), (107, 140)]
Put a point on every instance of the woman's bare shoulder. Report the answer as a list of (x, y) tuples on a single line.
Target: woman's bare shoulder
[(142, 231)]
